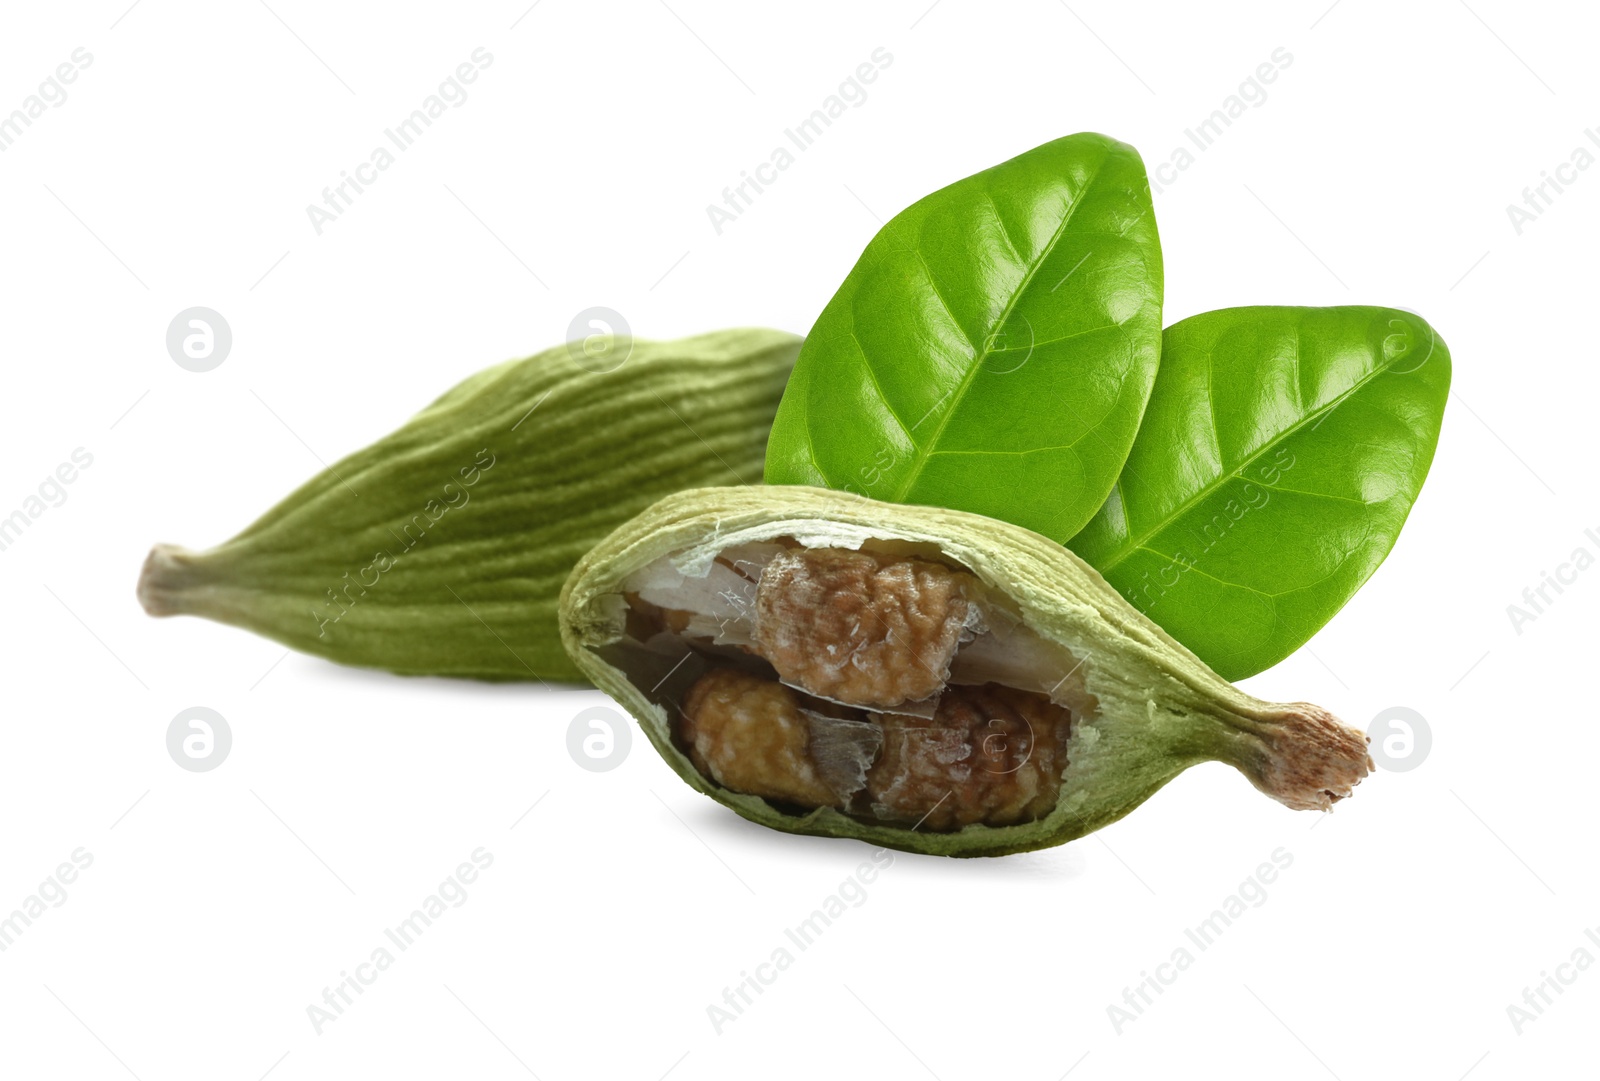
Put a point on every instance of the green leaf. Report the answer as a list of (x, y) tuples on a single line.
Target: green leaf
[(1279, 456), (992, 349)]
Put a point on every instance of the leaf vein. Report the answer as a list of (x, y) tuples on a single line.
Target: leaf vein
[(980, 355)]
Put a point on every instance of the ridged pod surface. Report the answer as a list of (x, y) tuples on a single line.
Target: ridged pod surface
[(442, 548), (1157, 709)]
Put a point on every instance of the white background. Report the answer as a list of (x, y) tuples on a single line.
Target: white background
[(219, 905)]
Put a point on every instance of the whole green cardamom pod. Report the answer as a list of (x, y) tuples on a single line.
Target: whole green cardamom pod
[(441, 549), (914, 677)]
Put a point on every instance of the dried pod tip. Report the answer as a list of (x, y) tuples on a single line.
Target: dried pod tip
[(163, 579), (1307, 758)]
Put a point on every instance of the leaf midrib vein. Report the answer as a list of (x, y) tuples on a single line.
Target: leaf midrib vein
[(1208, 490), (981, 355)]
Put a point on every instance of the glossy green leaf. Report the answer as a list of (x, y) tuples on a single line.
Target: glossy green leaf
[(1278, 458), (992, 349)]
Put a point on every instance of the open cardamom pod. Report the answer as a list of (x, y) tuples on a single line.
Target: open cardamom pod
[(441, 549), (918, 678)]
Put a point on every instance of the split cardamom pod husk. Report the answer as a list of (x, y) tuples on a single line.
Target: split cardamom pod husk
[(914, 677), (442, 548)]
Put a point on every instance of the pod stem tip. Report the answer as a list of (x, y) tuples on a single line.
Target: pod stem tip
[(162, 579)]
